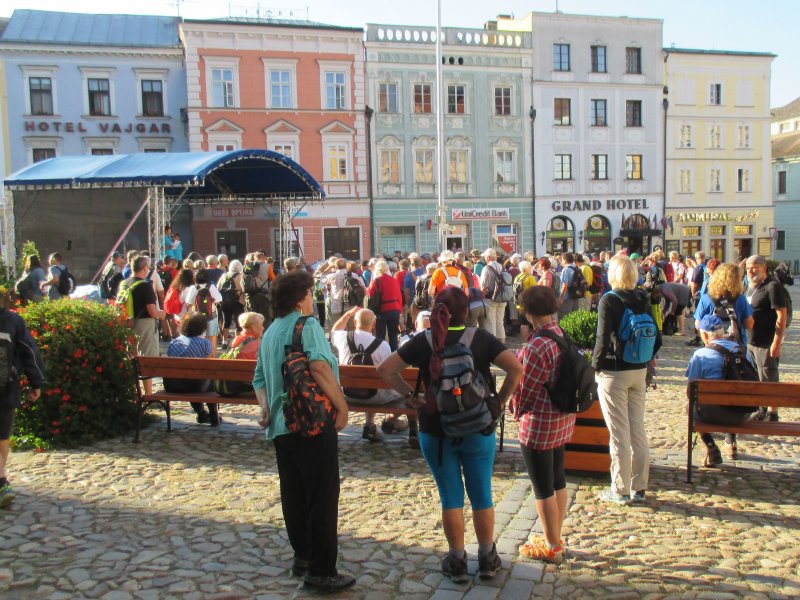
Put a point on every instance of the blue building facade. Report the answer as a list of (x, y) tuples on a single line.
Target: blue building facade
[(92, 84), (786, 183)]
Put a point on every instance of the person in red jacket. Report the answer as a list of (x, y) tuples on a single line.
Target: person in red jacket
[(391, 303)]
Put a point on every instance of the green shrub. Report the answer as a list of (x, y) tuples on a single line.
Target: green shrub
[(86, 348), (581, 326)]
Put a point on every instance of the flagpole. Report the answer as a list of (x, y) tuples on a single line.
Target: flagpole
[(441, 209)]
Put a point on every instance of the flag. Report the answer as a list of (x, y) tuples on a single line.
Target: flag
[(622, 223), (669, 222), (655, 221), (663, 222)]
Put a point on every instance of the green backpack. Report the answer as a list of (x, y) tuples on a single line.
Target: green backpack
[(229, 389), (125, 297)]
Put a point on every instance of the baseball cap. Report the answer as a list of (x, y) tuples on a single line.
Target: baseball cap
[(634, 256), (116, 254), (474, 252), (710, 323)]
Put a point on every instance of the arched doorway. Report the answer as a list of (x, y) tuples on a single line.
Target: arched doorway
[(596, 234), (560, 236), (637, 234)]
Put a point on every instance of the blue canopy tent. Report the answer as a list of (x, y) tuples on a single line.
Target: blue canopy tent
[(174, 179)]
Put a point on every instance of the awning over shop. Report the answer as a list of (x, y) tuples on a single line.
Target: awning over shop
[(237, 174)]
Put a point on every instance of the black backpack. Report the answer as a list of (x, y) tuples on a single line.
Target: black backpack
[(421, 298), (597, 280), (250, 282), (354, 292), (360, 356), (228, 289), (736, 367), (8, 370), (110, 283), (579, 286), (726, 311), (66, 281), (574, 388)]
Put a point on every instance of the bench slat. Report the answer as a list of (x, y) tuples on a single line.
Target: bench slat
[(590, 436), (751, 427), (723, 399), (206, 397), (779, 393)]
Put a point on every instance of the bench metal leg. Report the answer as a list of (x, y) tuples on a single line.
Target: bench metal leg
[(689, 444), (139, 412)]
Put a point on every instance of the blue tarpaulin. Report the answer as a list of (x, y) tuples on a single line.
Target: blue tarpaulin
[(239, 173)]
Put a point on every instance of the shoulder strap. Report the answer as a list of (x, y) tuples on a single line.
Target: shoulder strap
[(373, 346), (467, 337), (560, 341), (351, 342), (297, 334)]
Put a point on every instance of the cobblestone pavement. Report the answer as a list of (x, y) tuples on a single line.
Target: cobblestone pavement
[(196, 515)]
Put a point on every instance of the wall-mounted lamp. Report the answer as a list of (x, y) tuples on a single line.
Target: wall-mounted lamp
[(580, 236), (543, 235)]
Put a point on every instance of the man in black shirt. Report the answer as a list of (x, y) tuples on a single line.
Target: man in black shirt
[(696, 284), (768, 298)]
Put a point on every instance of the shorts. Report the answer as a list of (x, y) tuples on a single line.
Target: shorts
[(6, 422), (147, 335), (212, 328)]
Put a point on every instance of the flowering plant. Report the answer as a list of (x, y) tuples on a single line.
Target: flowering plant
[(88, 395)]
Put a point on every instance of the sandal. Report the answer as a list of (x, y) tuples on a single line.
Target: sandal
[(540, 551), (713, 457)]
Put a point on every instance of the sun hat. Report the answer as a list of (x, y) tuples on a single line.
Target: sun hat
[(446, 256), (710, 323)]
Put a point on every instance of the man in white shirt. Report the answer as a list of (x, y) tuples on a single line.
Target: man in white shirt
[(362, 338), (495, 311)]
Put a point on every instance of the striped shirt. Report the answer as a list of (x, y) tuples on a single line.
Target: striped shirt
[(189, 347)]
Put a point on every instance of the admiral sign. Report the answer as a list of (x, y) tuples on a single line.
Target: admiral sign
[(481, 214)]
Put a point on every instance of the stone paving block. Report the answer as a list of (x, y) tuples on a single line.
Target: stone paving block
[(482, 592), (517, 589), (507, 506), (527, 571), (444, 594)]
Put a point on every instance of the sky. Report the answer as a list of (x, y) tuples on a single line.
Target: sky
[(745, 25)]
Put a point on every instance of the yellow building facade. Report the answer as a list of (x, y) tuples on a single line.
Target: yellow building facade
[(718, 158)]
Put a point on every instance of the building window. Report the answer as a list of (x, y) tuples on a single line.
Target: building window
[(714, 180), (502, 101), (780, 240), (686, 136), (40, 154), (423, 166), (563, 166), (715, 136), (387, 98), (561, 111), (152, 98), (685, 181), (743, 137), (280, 88), (335, 90), (633, 166), (102, 152), (742, 180), (225, 147), (715, 94), (561, 57), (599, 59), (504, 166), (598, 113), (222, 93), (390, 166), (633, 113), (457, 172), (286, 149), (343, 241), (456, 99), (99, 97), (781, 182), (633, 61), (599, 166), (41, 91), (337, 162), (422, 98)]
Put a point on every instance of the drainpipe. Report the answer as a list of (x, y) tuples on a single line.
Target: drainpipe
[(368, 112), (665, 104), (532, 114)]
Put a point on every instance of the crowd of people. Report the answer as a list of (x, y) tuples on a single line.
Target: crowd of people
[(414, 310)]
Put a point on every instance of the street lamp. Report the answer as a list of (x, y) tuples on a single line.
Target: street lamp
[(532, 114)]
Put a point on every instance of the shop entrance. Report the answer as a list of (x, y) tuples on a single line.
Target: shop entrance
[(455, 238), (690, 247), (560, 236), (743, 248), (637, 235), (232, 243), (596, 234)]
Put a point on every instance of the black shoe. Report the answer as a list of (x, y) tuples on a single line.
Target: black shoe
[(695, 342), (760, 414), (370, 432), (328, 585), (413, 441), (489, 565), (387, 425), (772, 416), (299, 567), (203, 417), (713, 457), (455, 568), (214, 419)]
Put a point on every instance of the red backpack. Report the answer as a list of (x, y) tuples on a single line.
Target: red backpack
[(172, 302), (306, 409), (204, 303)]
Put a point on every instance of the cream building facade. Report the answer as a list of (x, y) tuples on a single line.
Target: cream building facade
[(718, 158)]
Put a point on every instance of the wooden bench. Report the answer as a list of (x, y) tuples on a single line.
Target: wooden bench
[(351, 376), (740, 393)]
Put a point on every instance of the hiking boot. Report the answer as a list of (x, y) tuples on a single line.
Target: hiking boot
[(6, 495), (455, 568), (203, 418), (695, 342), (760, 414), (328, 585), (214, 419), (370, 432), (731, 451), (490, 564), (772, 416), (713, 456), (609, 495), (639, 496)]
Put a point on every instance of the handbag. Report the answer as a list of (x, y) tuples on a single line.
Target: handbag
[(375, 301)]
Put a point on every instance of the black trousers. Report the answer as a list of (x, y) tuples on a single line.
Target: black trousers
[(309, 474)]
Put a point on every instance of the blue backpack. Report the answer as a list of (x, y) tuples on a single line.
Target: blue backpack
[(638, 332)]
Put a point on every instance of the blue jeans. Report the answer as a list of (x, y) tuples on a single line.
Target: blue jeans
[(475, 455), (388, 321)]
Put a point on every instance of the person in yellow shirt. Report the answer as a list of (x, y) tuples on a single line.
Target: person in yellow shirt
[(522, 282), (585, 303)]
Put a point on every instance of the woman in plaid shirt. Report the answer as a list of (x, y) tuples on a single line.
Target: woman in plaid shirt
[(543, 430)]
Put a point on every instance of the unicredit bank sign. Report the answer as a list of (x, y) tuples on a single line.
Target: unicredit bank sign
[(481, 214)]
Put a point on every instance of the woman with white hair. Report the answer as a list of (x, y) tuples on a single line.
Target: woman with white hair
[(391, 303), (232, 305), (621, 385)]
